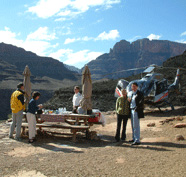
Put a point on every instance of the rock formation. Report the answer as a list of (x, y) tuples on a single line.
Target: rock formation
[(126, 55)]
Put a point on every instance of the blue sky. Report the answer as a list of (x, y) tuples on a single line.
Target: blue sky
[(78, 31)]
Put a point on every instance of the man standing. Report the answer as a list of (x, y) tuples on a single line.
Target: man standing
[(17, 107), (76, 99), (136, 106)]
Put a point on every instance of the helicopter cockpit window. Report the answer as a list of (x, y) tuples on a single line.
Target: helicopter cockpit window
[(146, 76), (161, 86)]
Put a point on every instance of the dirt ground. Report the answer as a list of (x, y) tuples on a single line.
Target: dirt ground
[(159, 154)]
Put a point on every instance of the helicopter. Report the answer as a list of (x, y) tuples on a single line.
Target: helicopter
[(154, 87)]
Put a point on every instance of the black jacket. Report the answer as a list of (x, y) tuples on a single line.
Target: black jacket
[(139, 104)]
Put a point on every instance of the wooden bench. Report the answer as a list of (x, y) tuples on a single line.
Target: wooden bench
[(74, 122), (74, 128)]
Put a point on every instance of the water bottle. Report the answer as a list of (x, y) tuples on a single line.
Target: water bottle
[(57, 112), (62, 110), (59, 109), (65, 109)]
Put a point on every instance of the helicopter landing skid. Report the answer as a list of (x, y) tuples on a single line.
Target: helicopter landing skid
[(172, 107), (160, 105)]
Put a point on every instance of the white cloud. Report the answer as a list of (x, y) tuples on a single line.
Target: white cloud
[(61, 53), (48, 8), (70, 40), (70, 8), (33, 42), (41, 34), (64, 13), (154, 36), (98, 21), (41, 46), (113, 34), (134, 38), (60, 19), (183, 34), (81, 57), (181, 41), (64, 30), (9, 37), (70, 57), (86, 38)]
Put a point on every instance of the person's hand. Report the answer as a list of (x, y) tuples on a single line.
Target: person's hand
[(40, 106), (129, 99)]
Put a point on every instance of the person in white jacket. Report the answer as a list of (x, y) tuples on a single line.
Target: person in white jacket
[(76, 99)]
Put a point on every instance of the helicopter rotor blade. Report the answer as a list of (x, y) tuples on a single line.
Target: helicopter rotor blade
[(134, 69), (125, 70), (166, 67)]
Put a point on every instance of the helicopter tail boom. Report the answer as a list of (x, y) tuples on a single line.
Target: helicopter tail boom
[(175, 84)]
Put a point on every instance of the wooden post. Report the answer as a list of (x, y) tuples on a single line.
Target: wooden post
[(74, 135), (23, 131)]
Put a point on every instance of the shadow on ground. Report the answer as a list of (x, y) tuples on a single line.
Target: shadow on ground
[(169, 113), (65, 144)]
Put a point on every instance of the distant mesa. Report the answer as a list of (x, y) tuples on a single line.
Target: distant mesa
[(140, 53), (39, 66)]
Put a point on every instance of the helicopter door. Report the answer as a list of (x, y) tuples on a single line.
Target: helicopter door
[(161, 92), (152, 90)]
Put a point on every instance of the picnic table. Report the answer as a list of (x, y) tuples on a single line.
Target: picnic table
[(74, 122), (65, 118)]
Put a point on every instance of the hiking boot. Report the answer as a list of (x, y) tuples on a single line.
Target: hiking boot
[(18, 139), (135, 143)]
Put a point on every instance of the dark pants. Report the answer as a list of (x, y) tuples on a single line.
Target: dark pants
[(75, 109), (121, 118)]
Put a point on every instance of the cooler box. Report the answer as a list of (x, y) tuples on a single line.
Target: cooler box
[(95, 117)]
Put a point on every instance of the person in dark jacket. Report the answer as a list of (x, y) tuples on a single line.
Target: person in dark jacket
[(123, 113), (17, 107), (137, 107), (31, 118)]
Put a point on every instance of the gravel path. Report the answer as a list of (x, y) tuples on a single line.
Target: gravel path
[(159, 154)]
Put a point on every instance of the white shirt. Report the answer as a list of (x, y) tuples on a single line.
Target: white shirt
[(76, 99), (133, 101)]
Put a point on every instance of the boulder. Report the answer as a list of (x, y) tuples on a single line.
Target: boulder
[(152, 124), (179, 118), (161, 122), (180, 125), (179, 137), (169, 119)]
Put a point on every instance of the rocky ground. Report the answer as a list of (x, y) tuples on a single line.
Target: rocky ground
[(160, 153)]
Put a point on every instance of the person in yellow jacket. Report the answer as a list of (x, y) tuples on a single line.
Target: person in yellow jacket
[(17, 107)]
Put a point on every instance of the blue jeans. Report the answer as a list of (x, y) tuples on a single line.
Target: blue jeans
[(135, 126)]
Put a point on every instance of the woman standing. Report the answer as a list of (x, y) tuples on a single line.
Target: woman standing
[(123, 113), (31, 117)]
